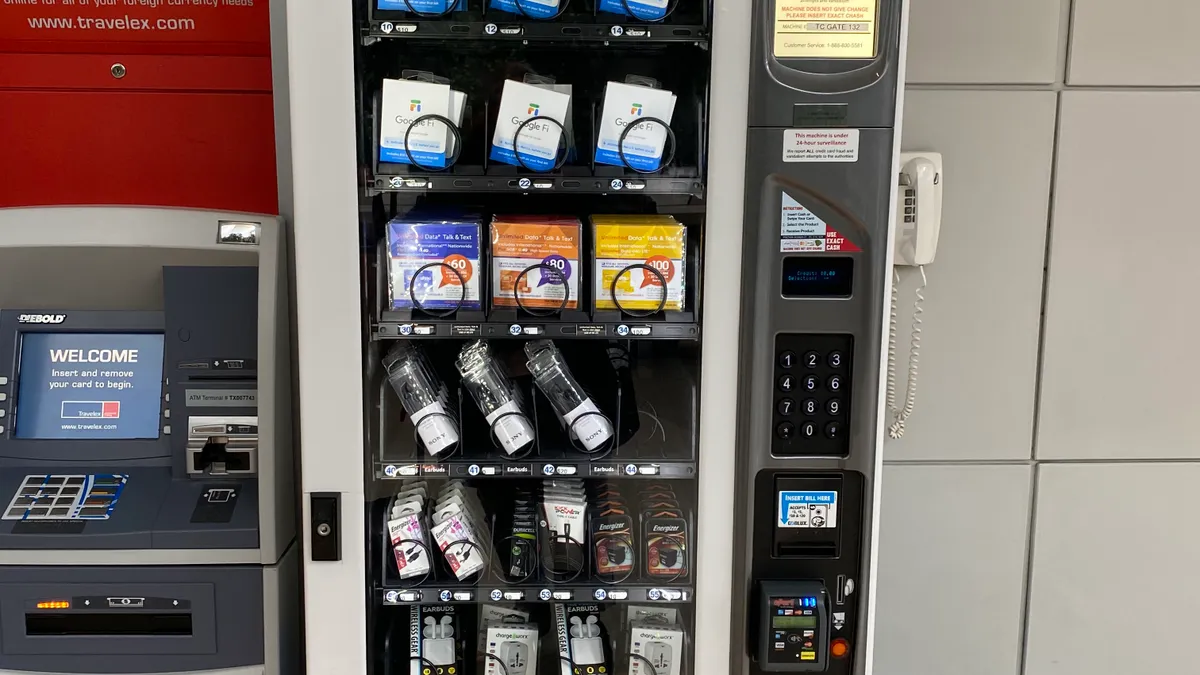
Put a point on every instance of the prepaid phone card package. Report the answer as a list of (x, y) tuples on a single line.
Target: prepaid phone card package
[(539, 140), (430, 142), (625, 246), (643, 10), (443, 256), (625, 105), (548, 245), (532, 9)]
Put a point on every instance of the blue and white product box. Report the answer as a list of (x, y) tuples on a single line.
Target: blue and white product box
[(643, 10), (538, 143), (451, 251), (422, 6), (625, 104), (430, 143), (533, 9)]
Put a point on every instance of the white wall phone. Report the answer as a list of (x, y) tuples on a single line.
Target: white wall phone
[(918, 222)]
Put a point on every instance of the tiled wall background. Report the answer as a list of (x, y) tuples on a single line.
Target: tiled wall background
[(1042, 515)]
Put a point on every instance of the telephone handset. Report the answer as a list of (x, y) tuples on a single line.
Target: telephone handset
[(918, 222)]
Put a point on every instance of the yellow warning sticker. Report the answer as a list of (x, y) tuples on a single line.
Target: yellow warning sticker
[(826, 29)]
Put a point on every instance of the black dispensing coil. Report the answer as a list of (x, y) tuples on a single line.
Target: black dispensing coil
[(793, 629)]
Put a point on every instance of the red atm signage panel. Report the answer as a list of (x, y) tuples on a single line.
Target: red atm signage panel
[(137, 102)]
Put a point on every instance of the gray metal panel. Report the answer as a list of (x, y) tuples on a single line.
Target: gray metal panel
[(951, 582), (130, 557), (282, 610), (174, 529), (239, 633)]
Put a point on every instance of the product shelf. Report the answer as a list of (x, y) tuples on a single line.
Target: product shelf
[(580, 21)]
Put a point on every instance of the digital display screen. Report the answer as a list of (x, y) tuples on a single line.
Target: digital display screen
[(81, 386), (793, 622), (818, 277)]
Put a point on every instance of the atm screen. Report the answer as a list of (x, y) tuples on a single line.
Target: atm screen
[(82, 386)]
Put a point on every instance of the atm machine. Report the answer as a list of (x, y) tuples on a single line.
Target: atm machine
[(587, 486), (145, 444)]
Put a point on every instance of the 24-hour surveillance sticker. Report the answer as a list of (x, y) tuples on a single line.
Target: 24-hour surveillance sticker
[(806, 509)]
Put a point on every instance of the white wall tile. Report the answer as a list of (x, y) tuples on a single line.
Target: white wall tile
[(1114, 583), (976, 41), (975, 396), (951, 570), (1120, 362), (1151, 42)]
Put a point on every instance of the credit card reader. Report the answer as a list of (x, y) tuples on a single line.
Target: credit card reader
[(793, 629)]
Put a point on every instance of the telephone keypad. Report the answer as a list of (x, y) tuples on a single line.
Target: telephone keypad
[(825, 381)]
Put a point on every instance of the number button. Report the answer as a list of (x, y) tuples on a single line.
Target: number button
[(834, 384), (811, 359), (808, 429), (834, 406), (786, 383), (786, 407), (785, 430), (835, 359), (811, 383), (786, 359), (833, 430), (810, 406)]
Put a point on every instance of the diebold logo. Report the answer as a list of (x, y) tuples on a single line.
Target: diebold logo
[(41, 318)]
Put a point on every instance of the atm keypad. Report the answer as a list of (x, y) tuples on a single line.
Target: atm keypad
[(812, 395)]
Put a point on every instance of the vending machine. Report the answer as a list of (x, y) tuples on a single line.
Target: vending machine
[(591, 331)]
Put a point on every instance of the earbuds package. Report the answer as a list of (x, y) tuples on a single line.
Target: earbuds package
[(424, 396), (435, 641), (661, 647), (583, 643), (513, 645)]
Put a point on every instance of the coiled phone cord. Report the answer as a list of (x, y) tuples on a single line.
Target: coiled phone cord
[(901, 415)]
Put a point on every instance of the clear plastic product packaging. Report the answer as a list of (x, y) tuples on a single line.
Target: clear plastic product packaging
[(575, 409), (424, 397), (498, 399), (433, 264)]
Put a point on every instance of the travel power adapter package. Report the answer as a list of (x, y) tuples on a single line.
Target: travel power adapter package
[(490, 615), (612, 536), (539, 114), (407, 531), (512, 649), (433, 264), (634, 256), (643, 10), (498, 398), (664, 533), (459, 528), (436, 644), (430, 142), (535, 262), (530, 9), (634, 123), (661, 648), (588, 428), (583, 643), (424, 396)]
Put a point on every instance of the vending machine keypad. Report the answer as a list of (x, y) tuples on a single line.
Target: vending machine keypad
[(812, 395)]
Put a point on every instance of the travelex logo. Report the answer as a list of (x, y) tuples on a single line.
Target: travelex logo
[(414, 105), (533, 110), (636, 109)]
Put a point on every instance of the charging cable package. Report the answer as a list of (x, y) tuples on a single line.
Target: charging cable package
[(459, 529), (529, 125), (406, 531), (583, 644), (530, 9), (436, 642), (642, 10), (634, 256), (409, 132), (535, 262), (434, 264), (660, 649), (484, 377), (512, 649), (574, 408), (634, 125), (424, 397)]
